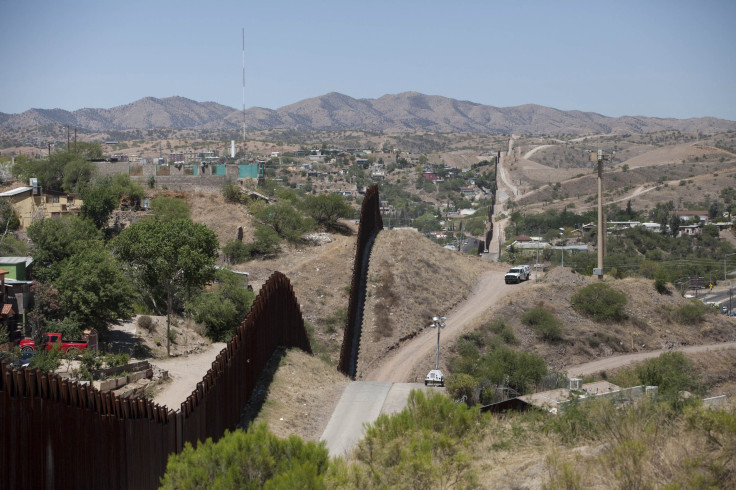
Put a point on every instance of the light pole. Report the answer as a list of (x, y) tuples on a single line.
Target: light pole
[(438, 323), (724, 265)]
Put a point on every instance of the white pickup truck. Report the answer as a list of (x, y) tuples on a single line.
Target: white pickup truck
[(518, 274)]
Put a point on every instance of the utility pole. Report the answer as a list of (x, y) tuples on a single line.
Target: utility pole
[(600, 157)]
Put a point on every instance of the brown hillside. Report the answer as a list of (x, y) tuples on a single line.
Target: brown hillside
[(649, 326), (410, 280)]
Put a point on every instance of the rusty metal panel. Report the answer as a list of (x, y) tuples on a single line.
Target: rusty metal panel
[(371, 223), (48, 425)]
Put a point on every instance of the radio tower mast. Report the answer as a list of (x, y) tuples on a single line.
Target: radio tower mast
[(244, 93)]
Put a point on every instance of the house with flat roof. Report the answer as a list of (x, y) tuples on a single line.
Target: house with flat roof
[(33, 203)]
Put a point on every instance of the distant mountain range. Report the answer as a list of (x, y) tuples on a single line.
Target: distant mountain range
[(408, 111)]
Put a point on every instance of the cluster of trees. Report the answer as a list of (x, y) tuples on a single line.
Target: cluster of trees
[(87, 275), (288, 218), (61, 171)]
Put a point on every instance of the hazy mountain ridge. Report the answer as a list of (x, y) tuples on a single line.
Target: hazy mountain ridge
[(408, 111)]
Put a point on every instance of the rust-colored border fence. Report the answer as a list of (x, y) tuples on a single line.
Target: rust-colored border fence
[(370, 224), (489, 233), (60, 434)]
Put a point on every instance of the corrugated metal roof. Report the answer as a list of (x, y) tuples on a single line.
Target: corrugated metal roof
[(15, 192), (16, 260)]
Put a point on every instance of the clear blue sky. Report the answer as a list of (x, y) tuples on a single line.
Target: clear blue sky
[(653, 58)]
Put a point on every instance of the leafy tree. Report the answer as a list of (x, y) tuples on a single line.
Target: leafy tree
[(51, 171), (326, 209), (674, 224), (55, 239), (88, 149), (252, 460), (46, 308), (427, 222), (167, 259), (126, 191), (98, 204), (224, 307), (286, 221), (77, 175), (9, 220), (169, 208), (93, 289)]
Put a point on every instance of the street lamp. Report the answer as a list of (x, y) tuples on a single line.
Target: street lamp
[(438, 323), (724, 265)]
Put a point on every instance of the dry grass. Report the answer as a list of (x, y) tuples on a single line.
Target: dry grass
[(221, 217), (302, 396), (410, 279)]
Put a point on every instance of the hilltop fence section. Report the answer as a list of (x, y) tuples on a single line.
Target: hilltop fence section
[(370, 224), (55, 433)]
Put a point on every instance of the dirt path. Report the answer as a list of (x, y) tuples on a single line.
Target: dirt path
[(401, 365), (534, 150), (185, 372), (614, 362)]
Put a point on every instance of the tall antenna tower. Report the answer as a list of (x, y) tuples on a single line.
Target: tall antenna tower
[(244, 92)]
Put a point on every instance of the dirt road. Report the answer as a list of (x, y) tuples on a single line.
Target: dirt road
[(185, 372), (614, 362), (400, 366)]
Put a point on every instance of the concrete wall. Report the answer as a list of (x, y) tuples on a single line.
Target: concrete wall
[(179, 179)]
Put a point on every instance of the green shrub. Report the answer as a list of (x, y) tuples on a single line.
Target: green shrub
[(91, 361), (224, 307), (429, 444), (146, 323), (117, 359), (233, 193), (461, 385), (660, 281), (236, 252), (47, 360), (600, 302), (692, 312), (504, 331), (672, 372), (544, 323), (252, 459)]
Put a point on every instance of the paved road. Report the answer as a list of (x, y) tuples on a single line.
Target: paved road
[(613, 362), (361, 403)]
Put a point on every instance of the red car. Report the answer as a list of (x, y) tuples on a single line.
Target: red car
[(52, 339)]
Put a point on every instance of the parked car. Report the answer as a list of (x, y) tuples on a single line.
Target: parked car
[(52, 339)]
